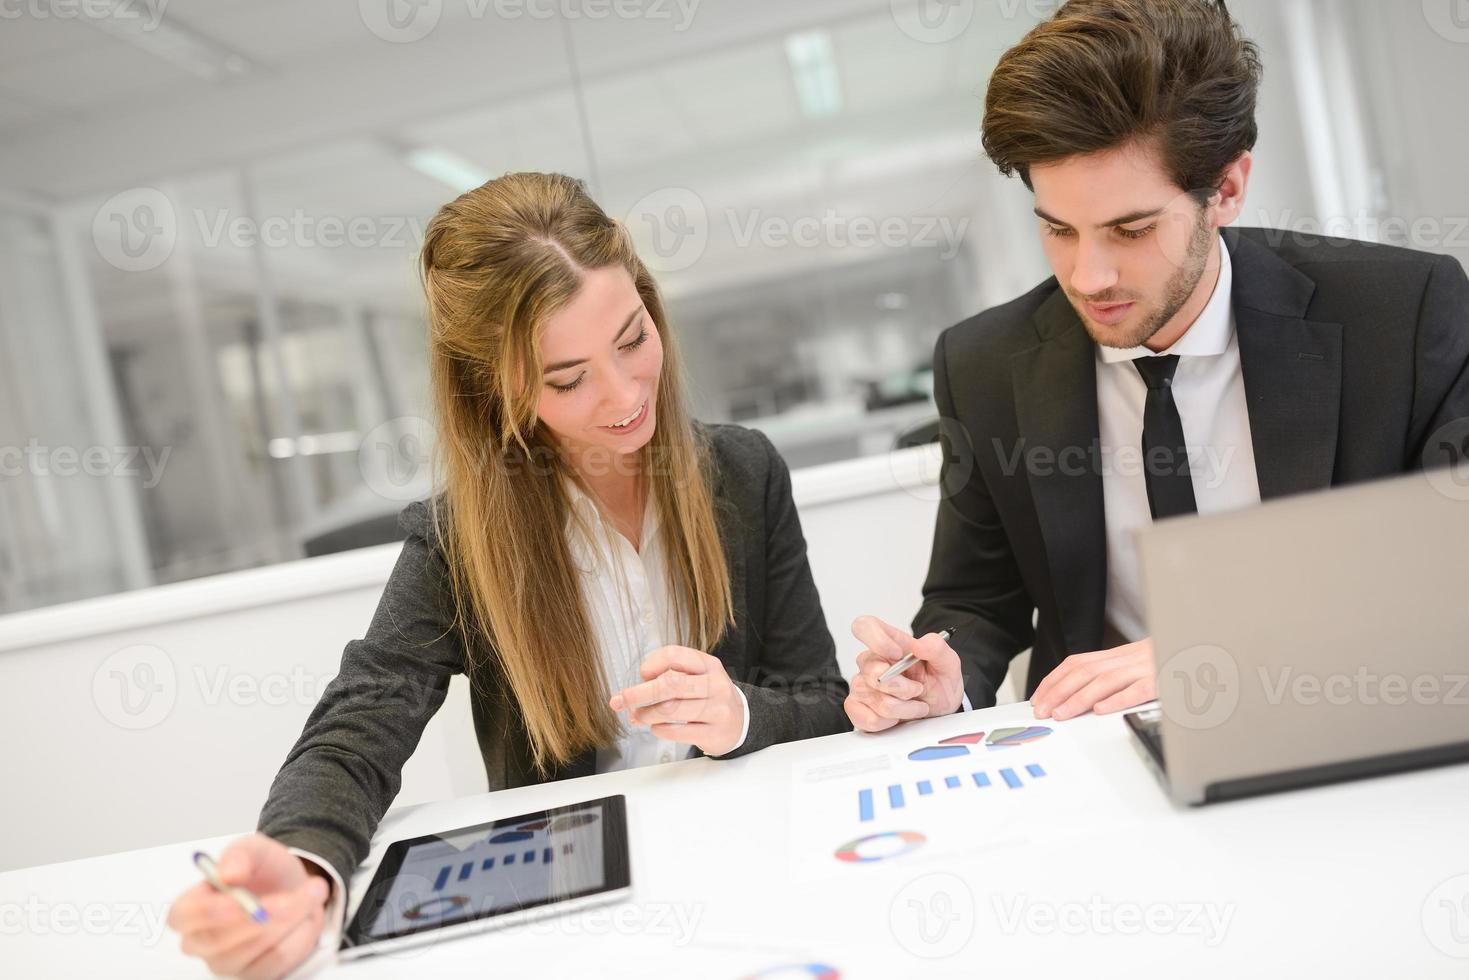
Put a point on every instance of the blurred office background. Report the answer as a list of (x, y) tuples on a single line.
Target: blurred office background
[(211, 331)]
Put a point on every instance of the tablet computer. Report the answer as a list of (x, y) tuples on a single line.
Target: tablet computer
[(493, 874)]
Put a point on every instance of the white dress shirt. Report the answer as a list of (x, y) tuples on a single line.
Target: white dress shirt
[(1209, 390), (631, 611)]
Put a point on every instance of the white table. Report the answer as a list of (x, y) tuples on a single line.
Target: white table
[(1353, 880)]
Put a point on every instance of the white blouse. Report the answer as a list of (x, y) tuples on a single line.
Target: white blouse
[(630, 607)]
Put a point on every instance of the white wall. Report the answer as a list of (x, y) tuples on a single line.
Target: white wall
[(237, 662)]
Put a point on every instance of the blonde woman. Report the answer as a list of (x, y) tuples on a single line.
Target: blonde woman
[(621, 584)]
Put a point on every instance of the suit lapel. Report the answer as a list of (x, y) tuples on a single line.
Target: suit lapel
[(1055, 389), (1292, 371)]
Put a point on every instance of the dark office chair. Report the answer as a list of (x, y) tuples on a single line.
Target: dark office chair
[(382, 529), (920, 434)]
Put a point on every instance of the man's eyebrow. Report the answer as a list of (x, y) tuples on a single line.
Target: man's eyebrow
[(1126, 219), (563, 365)]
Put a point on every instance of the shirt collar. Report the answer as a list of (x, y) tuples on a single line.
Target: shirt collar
[(586, 508), (1211, 332)]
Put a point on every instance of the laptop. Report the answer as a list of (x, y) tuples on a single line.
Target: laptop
[(1312, 639)]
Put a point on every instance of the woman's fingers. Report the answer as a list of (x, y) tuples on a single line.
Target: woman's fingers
[(287, 911), (692, 709), (676, 658), (667, 686), (693, 733), (293, 948)]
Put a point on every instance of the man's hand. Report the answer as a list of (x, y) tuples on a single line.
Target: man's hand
[(686, 696), (1104, 681), (933, 686)]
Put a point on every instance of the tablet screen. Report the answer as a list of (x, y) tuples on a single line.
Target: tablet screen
[(490, 869)]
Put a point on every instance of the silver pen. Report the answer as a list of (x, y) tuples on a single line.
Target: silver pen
[(242, 896), (907, 661)]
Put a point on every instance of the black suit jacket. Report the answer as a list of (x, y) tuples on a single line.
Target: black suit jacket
[(1354, 356), (344, 770)]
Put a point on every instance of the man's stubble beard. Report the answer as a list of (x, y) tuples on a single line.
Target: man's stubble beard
[(1175, 294)]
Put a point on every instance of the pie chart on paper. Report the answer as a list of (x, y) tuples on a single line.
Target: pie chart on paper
[(1003, 737), (931, 752)]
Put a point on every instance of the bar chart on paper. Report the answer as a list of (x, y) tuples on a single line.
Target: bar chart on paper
[(970, 789), (895, 797)]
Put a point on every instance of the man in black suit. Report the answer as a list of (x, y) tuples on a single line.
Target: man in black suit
[(1172, 366)]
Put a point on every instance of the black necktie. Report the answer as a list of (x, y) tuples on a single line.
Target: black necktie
[(1165, 452)]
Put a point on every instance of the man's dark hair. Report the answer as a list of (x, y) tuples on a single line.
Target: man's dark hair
[(1104, 73)]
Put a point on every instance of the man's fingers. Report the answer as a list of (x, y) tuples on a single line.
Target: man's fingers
[(864, 718), (1101, 686), (885, 705), (1136, 693), (886, 641), (1059, 685), (902, 686), (903, 710)]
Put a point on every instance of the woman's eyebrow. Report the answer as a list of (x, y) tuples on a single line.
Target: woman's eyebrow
[(563, 365)]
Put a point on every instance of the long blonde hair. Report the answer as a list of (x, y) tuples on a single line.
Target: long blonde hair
[(496, 262)]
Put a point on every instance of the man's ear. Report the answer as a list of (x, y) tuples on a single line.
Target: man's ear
[(1231, 194)]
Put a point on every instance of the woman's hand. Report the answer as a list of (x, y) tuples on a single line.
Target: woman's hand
[(686, 697), (215, 928)]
